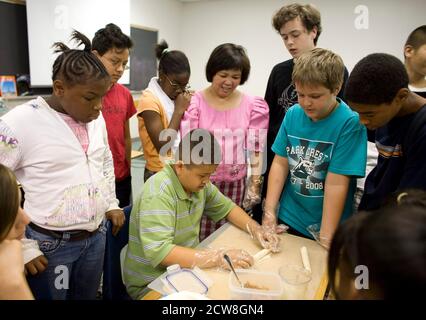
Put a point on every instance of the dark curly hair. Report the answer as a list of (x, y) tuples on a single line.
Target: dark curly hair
[(376, 79), (390, 242), (110, 37), (228, 56)]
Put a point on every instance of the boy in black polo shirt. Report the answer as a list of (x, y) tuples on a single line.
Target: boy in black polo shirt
[(377, 89)]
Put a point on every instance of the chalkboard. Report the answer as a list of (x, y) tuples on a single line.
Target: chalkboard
[(14, 39), (143, 62)]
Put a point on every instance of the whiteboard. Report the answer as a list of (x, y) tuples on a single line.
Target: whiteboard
[(51, 21)]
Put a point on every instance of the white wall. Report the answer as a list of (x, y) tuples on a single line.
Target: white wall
[(207, 24), (162, 15)]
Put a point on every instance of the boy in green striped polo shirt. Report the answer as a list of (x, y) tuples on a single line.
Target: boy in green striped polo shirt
[(165, 220)]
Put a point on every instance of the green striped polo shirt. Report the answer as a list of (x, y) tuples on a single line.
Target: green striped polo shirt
[(162, 217)]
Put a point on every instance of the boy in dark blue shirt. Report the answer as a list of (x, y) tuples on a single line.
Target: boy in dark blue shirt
[(377, 89)]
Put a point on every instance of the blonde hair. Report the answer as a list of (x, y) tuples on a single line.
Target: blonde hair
[(319, 67)]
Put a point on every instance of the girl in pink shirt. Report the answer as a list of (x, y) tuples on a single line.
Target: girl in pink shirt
[(238, 121)]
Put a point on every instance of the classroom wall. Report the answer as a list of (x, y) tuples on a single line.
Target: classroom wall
[(207, 24), (162, 15)]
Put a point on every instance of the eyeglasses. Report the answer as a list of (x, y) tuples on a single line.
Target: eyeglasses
[(116, 63), (177, 87)]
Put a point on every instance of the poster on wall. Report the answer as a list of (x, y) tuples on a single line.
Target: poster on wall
[(8, 86)]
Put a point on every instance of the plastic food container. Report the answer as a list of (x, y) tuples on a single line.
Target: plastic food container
[(186, 280), (258, 285)]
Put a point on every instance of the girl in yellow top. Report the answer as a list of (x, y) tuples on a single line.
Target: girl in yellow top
[(162, 106)]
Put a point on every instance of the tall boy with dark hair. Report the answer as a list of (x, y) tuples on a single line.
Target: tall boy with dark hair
[(415, 60), (378, 90), (299, 27)]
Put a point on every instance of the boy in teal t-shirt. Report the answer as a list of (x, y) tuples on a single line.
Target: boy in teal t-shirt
[(320, 150), (165, 221)]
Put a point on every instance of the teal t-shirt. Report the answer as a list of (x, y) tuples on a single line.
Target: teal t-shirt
[(335, 144)]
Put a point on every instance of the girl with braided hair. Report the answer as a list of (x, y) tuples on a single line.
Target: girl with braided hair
[(58, 150)]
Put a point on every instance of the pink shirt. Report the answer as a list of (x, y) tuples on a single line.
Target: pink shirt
[(237, 130), (79, 129)]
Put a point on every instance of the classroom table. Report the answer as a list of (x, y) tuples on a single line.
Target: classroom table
[(229, 236)]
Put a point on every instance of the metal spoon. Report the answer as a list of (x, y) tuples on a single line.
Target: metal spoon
[(227, 259)]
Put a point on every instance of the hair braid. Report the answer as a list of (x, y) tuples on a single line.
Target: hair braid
[(77, 66)]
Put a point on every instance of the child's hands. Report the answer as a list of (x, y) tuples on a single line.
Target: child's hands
[(36, 266), (117, 219), (269, 220), (239, 258), (182, 102), (215, 258), (267, 238), (319, 235), (252, 194)]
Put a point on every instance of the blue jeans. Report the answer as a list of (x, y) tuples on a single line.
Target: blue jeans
[(113, 287), (74, 267)]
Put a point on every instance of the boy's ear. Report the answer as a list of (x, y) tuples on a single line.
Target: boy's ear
[(314, 32), (337, 90), (179, 166), (401, 96), (408, 51), (58, 88)]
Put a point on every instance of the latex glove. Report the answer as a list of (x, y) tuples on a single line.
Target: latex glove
[(266, 237), (252, 193), (315, 231), (269, 220), (214, 258)]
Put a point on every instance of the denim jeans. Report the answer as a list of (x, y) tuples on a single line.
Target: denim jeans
[(113, 287), (74, 267)]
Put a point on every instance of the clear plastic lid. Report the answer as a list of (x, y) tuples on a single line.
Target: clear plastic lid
[(186, 280)]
